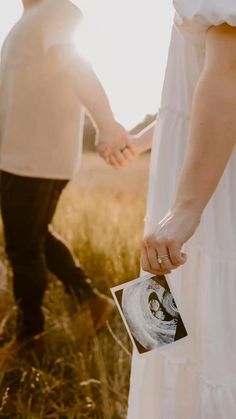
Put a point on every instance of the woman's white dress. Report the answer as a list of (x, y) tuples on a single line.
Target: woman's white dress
[(196, 379)]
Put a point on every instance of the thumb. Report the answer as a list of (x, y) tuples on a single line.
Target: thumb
[(184, 257)]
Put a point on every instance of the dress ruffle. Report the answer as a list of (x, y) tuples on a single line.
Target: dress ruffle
[(207, 12), (194, 17), (195, 378)]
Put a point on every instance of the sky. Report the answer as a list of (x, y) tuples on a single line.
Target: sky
[(127, 43)]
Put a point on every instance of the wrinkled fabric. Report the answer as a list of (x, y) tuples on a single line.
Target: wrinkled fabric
[(195, 378), (207, 12), (194, 17)]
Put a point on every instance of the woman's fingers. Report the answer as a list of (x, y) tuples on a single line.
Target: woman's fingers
[(176, 256), (149, 261), (144, 259), (162, 258), (158, 255), (128, 154), (172, 232), (119, 159), (152, 259), (113, 162), (116, 157)]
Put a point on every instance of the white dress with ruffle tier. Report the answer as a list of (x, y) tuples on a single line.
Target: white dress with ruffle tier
[(196, 379)]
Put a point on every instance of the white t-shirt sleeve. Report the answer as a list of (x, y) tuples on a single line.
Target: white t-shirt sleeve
[(60, 21)]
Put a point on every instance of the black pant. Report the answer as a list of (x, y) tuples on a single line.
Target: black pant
[(28, 205)]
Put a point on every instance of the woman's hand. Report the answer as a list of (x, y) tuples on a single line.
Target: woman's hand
[(142, 141), (211, 141), (136, 143), (161, 250)]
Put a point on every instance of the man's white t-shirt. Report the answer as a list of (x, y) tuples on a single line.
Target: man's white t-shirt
[(41, 117)]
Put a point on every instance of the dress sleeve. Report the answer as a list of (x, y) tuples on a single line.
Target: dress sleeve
[(207, 12)]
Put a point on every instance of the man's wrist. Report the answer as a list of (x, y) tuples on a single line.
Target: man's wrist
[(107, 125)]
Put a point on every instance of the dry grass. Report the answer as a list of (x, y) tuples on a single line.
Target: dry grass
[(101, 214)]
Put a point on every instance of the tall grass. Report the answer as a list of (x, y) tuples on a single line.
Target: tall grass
[(101, 216)]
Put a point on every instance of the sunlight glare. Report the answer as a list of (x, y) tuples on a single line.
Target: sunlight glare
[(126, 41)]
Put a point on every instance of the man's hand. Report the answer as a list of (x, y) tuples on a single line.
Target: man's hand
[(114, 147)]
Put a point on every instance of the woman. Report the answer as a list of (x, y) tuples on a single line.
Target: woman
[(192, 189)]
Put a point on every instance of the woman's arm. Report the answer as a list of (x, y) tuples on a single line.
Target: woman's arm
[(212, 139), (142, 141), (213, 125)]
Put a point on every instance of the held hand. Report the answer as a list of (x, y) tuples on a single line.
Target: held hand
[(129, 154), (136, 144), (113, 146), (111, 141), (161, 250), (122, 157)]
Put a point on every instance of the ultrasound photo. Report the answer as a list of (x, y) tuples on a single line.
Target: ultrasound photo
[(149, 312)]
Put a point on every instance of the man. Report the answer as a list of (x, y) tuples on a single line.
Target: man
[(44, 83)]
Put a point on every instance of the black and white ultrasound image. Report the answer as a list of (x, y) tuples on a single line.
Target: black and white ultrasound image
[(151, 313)]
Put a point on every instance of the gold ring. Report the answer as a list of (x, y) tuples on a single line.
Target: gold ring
[(161, 258)]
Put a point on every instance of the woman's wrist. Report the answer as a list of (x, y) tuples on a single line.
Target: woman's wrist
[(139, 143), (187, 206)]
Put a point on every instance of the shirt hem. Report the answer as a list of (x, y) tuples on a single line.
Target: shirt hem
[(38, 175)]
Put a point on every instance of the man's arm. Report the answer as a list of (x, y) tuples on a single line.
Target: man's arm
[(91, 93), (112, 136)]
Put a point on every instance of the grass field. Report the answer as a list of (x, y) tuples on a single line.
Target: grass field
[(101, 215)]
